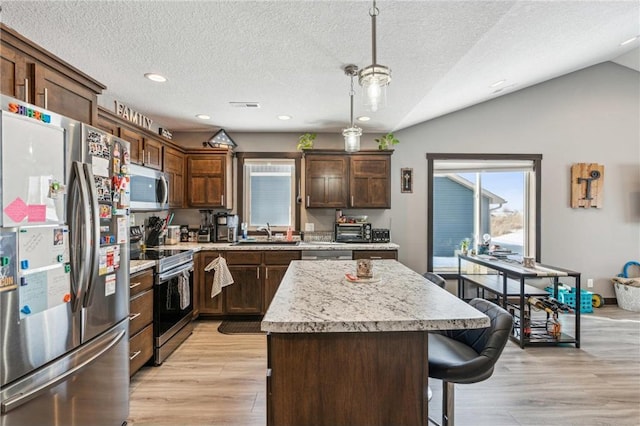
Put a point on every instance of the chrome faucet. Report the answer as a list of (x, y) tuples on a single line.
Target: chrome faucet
[(267, 230)]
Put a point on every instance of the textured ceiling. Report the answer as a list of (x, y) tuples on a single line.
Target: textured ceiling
[(288, 55)]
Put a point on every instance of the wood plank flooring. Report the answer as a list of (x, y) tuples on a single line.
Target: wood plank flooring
[(217, 379)]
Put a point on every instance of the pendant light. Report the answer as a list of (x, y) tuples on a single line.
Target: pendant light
[(374, 78), (353, 133)]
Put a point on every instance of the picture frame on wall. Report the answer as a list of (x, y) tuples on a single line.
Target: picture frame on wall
[(406, 180)]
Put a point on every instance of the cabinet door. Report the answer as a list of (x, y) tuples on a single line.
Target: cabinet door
[(136, 141), (108, 126), (208, 305), (370, 185), (173, 166), (152, 154), (244, 296), (206, 181), (58, 93), (326, 181), (13, 73), (272, 276)]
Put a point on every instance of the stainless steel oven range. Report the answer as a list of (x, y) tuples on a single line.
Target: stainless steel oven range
[(172, 299)]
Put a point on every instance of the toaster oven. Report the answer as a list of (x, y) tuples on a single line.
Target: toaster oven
[(352, 232)]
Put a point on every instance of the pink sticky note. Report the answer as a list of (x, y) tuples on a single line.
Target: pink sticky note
[(16, 210), (37, 212)]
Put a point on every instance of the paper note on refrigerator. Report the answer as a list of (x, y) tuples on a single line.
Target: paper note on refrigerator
[(37, 212), (110, 285), (33, 294), (58, 287), (16, 210), (123, 230), (100, 166)]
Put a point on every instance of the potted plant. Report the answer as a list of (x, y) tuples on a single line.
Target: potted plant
[(464, 245), (306, 141), (386, 140)]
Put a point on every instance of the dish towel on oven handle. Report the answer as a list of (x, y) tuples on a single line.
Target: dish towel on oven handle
[(221, 275), (183, 290)]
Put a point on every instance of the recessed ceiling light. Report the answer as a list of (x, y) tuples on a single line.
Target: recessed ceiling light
[(284, 117), (156, 77), (203, 116), (498, 83), (631, 40), (364, 118)]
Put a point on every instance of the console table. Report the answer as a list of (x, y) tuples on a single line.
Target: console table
[(507, 281)]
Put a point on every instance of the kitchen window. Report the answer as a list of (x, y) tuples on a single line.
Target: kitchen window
[(489, 200), (269, 190)]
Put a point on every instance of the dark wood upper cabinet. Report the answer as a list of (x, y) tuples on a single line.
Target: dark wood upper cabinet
[(326, 181), (342, 180), (136, 140), (144, 151), (34, 75), (209, 180), (174, 169), (369, 181)]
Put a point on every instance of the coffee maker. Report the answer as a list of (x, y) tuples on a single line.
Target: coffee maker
[(206, 227), (226, 227)]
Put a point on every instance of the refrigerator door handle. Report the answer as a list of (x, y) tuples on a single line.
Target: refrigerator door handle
[(34, 388), (79, 212), (94, 224)]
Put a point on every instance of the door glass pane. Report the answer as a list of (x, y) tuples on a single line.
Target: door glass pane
[(478, 204)]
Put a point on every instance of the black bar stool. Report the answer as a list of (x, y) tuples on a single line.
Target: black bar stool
[(467, 356), (435, 278)]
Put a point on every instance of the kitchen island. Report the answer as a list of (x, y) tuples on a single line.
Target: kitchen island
[(354, 353)]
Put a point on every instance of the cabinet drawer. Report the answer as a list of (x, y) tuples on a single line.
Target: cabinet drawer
[(280, 257), (244, 257), (375, 254), (140, 349), (142, 281), (140, 312)]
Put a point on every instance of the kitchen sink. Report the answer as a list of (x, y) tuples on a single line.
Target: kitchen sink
[(265, 243)]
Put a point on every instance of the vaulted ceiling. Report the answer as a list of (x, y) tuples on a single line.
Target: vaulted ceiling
[(288, 56)]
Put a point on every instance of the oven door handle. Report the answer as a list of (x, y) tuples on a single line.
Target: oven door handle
[(173, 273)]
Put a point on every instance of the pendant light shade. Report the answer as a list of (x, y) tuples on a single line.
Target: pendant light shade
[(374, 78), (353, 133)]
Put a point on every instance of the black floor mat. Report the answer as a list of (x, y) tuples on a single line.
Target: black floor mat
[(240, 327)]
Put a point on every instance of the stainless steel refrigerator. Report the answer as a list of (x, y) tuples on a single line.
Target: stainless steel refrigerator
[(64, 271)]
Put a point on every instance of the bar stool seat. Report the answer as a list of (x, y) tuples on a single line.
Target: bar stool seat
[(467, 356)]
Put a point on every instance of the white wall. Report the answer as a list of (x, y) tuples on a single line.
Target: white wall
[(592, 115)]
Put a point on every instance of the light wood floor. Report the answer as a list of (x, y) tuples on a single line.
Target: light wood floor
[(217, 379)]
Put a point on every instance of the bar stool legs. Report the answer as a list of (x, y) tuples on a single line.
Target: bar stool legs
[(448, 400)]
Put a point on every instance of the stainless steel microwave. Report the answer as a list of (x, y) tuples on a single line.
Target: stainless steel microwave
[(352, 232), (149, 189)]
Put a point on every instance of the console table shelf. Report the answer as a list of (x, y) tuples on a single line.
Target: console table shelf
[(506, 280)]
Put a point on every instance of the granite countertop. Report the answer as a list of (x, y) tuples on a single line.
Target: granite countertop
[(315, 297), (140, 265), (302, 245)]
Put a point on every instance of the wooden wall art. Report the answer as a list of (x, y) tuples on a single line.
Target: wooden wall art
[(587, 183), (406, 180)]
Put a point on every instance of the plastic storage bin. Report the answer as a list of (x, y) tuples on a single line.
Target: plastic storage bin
[(569, 297)]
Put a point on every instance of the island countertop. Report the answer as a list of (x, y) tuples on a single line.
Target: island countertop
[(315, 297)]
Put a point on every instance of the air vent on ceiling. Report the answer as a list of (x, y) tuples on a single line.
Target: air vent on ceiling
[(244, 104)]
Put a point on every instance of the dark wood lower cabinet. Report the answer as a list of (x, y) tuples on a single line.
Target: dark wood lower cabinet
[(244, 296), (347, 379)]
